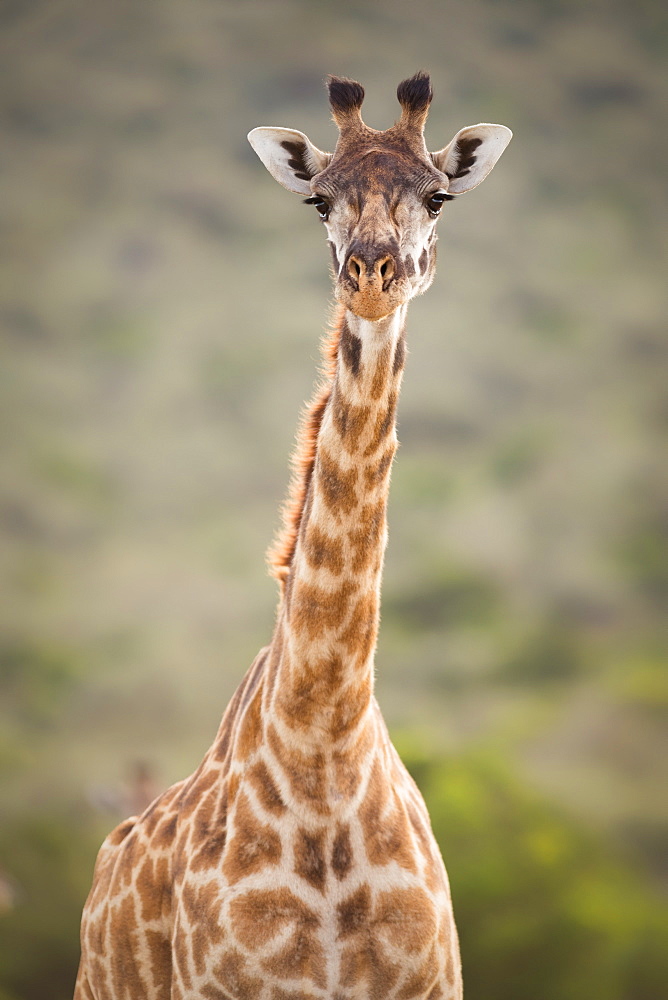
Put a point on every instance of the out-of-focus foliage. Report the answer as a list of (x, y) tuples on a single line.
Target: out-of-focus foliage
[(543, 908), (52, 855), (160, 304)]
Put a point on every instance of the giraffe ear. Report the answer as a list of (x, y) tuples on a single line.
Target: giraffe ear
[(471, 155), (289, 156)]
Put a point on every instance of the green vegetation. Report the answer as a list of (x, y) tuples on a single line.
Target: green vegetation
[(52, 856), (160, 305), (542, 909)]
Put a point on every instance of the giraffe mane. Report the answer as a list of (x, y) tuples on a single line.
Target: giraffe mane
[(282, 549)]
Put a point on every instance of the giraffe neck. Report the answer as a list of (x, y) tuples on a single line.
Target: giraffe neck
[(324, 646)]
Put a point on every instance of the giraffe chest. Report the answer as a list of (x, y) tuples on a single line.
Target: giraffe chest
[(313, 910)]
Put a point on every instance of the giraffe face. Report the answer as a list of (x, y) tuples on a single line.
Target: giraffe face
[(379, 194), (380, 206)]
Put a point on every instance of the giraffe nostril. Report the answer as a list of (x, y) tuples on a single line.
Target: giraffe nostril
[(354, 268), (386, 271)]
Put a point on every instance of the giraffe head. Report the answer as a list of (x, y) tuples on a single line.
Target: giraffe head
[(380, 194)]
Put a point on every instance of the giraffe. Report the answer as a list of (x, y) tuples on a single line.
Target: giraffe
[(298, 860)]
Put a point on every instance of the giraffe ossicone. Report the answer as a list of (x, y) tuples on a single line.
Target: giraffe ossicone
[(298, 860)]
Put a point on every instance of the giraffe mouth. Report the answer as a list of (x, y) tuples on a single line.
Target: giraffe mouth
[(369, 300)]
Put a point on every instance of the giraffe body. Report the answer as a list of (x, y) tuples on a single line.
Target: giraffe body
[(298, 860)]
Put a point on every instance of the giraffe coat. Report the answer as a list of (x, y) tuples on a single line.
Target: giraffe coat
[(298, 860)]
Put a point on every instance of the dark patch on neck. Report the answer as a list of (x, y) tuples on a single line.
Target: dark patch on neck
[(465, 156), (351, 350), (399, 355), (297, 161), (384, 423), (423, 261)]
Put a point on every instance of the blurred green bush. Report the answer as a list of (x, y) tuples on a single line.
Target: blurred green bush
[(544, 908)]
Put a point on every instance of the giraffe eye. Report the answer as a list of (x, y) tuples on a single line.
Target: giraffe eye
[(322, 207), (434, 202)]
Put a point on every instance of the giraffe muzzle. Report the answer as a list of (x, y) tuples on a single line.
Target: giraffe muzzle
[(369, 285)]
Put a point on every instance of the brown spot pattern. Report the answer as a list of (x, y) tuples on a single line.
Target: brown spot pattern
[(315, 609), (337, 486), (253, 846), (351, 350), (165, 833), (366, 538), (260, 914), (323, 551), (250, 730), (349, 420), (151, 885), (450, 968), (349, 709), (381, 374), (385, 824), (383, 426), (354, 913), (419, 983), (126, 975), (266, 790), (118, 835), (375, 473), (432, 873), (208, 851), (191, 796), (278, 994), (302, 958), (202, 909), (347, 774), (408, 918), (399, 355), (342, 852), (311, 692), (367, 963), (306, 773), (232, 973), (359, 636), (310, 864)]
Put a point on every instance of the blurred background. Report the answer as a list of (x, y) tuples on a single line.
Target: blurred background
[(161, 302)]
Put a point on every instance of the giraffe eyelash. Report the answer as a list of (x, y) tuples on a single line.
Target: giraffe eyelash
[(323, 208)]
